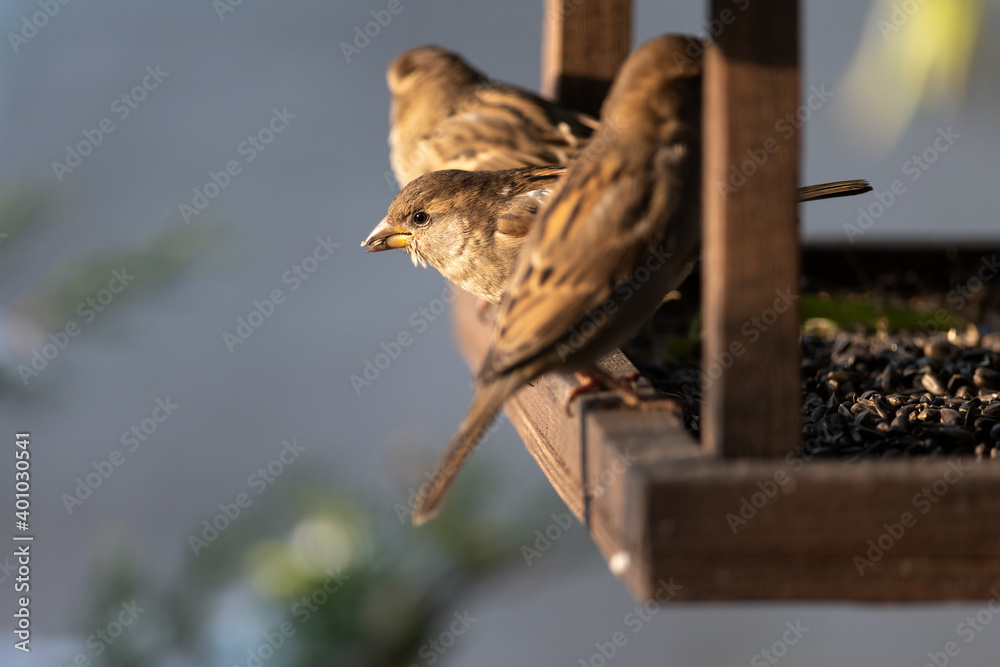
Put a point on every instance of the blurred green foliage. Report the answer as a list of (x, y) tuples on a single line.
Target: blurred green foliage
[(325, 577)]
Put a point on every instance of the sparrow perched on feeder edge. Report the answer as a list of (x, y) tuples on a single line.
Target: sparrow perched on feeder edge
[(632, 213)]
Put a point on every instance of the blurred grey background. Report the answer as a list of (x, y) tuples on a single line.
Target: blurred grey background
[(225, 69)]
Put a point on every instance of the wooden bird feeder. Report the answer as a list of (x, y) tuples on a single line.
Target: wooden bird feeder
[(656, 501)]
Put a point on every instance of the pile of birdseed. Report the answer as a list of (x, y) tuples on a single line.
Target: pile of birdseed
[(883, 395)]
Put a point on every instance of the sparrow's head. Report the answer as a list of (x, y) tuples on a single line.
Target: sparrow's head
[(430, 218), (432, 67), (426, 83), (659, 85)]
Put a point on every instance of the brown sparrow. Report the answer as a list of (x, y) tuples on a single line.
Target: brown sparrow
[(470, 225), (622, 230), (448, 115)]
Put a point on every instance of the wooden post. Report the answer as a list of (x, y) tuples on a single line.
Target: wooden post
[(584, 42), (751, 253)]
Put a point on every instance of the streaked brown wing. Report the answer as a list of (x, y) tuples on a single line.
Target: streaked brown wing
[(533, 178), (572, 263), (521, 213), (486, 156), (551, 123), (503, 128), (530, 189)]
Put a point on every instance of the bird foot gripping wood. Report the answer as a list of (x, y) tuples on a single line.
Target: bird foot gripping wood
[(594, 380), (625, 388)]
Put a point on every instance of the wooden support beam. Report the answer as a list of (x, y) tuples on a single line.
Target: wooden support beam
[(584, 42), (751, 254)]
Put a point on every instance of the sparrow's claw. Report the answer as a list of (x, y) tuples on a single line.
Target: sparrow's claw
[(593, 380), (626, 388)]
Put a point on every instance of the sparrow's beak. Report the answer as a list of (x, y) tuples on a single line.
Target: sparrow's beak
[(386, 237)]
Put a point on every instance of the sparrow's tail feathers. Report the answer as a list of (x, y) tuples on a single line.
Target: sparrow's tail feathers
[(485, 404), (835, 189)]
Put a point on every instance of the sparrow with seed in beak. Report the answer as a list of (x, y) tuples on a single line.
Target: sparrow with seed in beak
[(448, 115), (469, 225)]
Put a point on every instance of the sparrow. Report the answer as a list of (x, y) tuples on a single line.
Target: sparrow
[(622, 230), (445, 114), (470, 225)]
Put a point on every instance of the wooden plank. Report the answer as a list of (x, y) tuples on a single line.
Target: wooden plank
[(894, 530), (830, 536), (825, 508), (751, 324), (904, 579), (584, 42)]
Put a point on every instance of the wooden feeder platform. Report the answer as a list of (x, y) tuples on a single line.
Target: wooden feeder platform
[(660, 505)]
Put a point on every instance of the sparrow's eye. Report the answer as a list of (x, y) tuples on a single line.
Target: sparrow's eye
[(421, 218)]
